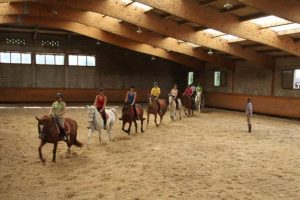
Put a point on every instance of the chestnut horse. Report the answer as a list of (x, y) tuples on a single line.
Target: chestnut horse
[(154, 109), (49, 133), (128, 116), (187, 104)]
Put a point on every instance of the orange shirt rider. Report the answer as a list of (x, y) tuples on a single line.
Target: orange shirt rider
[(100, 103)]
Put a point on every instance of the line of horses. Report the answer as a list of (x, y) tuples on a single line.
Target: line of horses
[(49, 131)]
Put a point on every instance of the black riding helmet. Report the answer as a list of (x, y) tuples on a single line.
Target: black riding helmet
[(59, 95)]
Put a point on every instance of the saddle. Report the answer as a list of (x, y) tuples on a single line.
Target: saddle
[(66, 125)]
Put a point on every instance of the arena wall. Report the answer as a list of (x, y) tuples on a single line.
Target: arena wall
[(116, 70)]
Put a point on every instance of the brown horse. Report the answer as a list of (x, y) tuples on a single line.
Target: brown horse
[(153, 108), (187, 104), (128, 116), (49, 133)]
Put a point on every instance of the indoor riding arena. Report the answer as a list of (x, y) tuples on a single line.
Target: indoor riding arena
[(223, 75)]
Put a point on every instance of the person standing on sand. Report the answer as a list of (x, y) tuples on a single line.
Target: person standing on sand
[(249, 110)]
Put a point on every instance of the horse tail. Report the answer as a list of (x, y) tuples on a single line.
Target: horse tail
[(77, 143)]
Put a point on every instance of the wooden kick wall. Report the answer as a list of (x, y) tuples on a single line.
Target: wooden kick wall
[(281, 106)]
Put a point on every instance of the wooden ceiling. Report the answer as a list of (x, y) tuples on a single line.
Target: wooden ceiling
[(171, 25)]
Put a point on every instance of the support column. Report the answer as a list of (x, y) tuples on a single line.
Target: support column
[(273, 82), (233, 79), (33, 70), (66, 71)]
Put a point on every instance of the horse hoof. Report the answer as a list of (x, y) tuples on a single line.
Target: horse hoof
[(53, 160), (43, 160)]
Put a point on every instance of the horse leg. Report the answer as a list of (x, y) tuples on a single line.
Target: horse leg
[(54, 151), (135, 124), (148, 119), (174, 114), (129, 127), (142, 121), (171, 114), (123, 126), (155, 116), (180, 113), (161, 117), (89, 136), (40, 151), (108, 132), (100, 140)]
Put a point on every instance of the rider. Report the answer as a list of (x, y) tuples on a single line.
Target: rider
[(189, 92), (199, 89), (155, 92), (100, 103), (130, 99), (174, 93), (57, 111)]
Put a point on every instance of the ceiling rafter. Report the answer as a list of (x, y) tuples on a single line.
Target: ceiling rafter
[(190, 10), (113, 26), (288, 10), (103, 36), (114, 8)]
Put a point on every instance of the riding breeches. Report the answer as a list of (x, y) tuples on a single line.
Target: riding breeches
[(103, 114), (60, 122)]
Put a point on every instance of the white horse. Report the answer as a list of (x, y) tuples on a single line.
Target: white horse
[(198, 101), (172, 107), (96, 122)]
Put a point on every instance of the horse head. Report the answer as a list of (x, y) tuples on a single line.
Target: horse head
[(171, 98), (91, 113), (43, 124), (151, 100), (126, 108)]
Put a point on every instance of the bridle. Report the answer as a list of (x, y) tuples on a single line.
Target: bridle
[(91, 114)]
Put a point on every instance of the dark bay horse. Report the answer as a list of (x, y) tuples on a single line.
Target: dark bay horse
[(187, 104), (49, 133), (128, 116), (153, 108)]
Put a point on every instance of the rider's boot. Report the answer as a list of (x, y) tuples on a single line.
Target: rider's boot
[(63, 134), (104, 124)]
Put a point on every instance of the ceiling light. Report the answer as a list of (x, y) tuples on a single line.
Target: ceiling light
[(142, 6), (228, 5), (210, 52), (139, 31), (152, 58), (98, 43), (180, 41), (55, 12)]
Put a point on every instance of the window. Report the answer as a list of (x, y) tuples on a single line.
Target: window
[(190, 78), (297, 79), (219, 78), (49, 59), (82, 60), (15, 58), (291, 79)]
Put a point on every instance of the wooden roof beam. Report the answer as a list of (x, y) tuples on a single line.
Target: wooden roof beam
[(231, 24), (114, 8), (111, 25), (101, 35), (288, 10)]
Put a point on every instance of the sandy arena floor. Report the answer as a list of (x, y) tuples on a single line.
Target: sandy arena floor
[(209, 156)]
